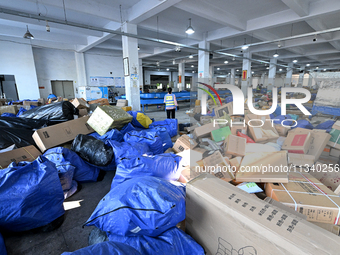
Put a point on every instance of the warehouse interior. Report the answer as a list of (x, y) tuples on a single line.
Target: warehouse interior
[(127, 127)]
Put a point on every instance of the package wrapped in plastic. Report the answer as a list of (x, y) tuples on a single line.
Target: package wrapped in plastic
[(83, 171), (152, 139), (172, 242), (166, 166), (105, 248), (164, 135), (140, 120), (30, 195), (140, 206), (170, 124), (55, 112), (112, 134), (3, 250), (92, 150)]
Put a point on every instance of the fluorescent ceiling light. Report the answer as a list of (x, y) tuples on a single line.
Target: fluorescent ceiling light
[(295, 61), (226, 62)]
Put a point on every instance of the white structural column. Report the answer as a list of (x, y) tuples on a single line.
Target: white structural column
[(232, 76), (272, 73), (246, 67), (130, 56), (263, 75), (310, 81), (301, 76), (289, 75), (141, 76), (203, 66), (81, 71), (181, 76)]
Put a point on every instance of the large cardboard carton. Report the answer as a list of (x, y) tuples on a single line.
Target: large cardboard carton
[(52, 136), (197, 102), (226, 221), (83, 112), (235, 163), (326, 151), (264, 167), (297, 143), (35, 103), (319, 140), (106, 117), (217, 165), (184, 142), (334, 141), (220, 134), (329, 227), (260, 128), (100, 101), (29, 153), (80, 104), (238, 128), (205, 130), (281, 130), (9, 109), (205, 119), (235, 145), (327, 175), (224, 110), (301, 160), (334, 153), (308, 196)]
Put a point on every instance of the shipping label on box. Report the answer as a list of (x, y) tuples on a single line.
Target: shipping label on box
[(52, 136), (226, 221), (224, 110), (235, 145), (297, 143), (327, 175), (28, 153), (308, 196)]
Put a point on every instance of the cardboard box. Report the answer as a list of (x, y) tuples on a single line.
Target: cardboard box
[(235, 128), (259, 132), (184, 143), (80, 104), (334, 141), (205, 119), (326, 151), (222, 111), (35, 103), (297, 143), (41, 101), (235, 163), (264, 167), (191, 128), (334, 153), (3, 101), (220, 134), (52, 136), (205, 130), (122, 102), (9, 109), (327, 175), (217, 165), (197, 109), (282, 130), (301, 160), (127, 108), (308, 196), (319, 140), (108, 116), (226, 221), (235, 145), (101, 101), (197, 102), (329, 227), (83, 112), (28, 153)]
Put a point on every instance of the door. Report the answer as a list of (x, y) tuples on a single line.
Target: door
[(8, 87), (63, 89)]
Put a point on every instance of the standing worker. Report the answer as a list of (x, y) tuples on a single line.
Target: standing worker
[(170, 104)]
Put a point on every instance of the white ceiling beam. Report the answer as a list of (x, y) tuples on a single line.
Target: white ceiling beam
[(208, 11), (300, 7)]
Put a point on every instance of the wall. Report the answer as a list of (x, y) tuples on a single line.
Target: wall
[(102, 65), (52, 65), (17, 59)]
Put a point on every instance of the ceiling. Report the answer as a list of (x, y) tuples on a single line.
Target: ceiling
[(225, 24)]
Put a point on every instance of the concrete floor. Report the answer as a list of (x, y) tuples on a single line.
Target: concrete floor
[(71, 236)]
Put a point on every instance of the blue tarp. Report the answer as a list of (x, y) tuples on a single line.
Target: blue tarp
[(30, 195), (65, 173), (303, 124), (152, 139), (6, 114), (83, 171), (140, 206), (170, 124), (3, 250), (105, 248), (229, 99), (113, 134), (128, 150), (127, 128), (327, 125), (166, 166), (172, 242), (280, 118), (134, 121), (164, 135)]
